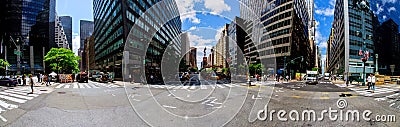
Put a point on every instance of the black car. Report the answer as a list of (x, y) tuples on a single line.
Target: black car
[(8, 81), (82, 77)]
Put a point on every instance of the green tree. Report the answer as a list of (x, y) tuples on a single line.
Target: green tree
[(3, 65), (61, 59)]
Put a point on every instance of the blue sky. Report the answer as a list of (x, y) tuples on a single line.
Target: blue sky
[(204, 19)]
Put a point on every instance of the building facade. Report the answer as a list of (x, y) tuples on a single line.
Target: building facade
[(284, 36), (387, 46), (193, 57), (30, 37), (60, 35), (86, 30), (352, 33), (132, 23), (221, 50), (66, 22), (329, 52), (236, 43)]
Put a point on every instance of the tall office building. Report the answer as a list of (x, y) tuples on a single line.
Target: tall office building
[(284, 36), (66, 22), (60, 36), (185, 49), (352, 33), (236, 42), (113, 23), (250, 11), (221, 50), (193, 57), (329, 49), (387, 46), (27, 25), (86, 30)]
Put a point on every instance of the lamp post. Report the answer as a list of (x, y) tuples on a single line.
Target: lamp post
[(363, 6)]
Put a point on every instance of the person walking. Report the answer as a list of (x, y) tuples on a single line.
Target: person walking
[(24, 80), (373, 81), (48, 79), (31, 82), (369, 80), (19, 80)]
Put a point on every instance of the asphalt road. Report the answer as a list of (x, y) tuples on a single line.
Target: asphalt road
[(209, 104)]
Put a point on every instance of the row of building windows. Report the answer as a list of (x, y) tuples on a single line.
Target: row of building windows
[(278, 50), (105, 25), (276, 11), (277, 33), (276, 26), (277, 18), (274, 42)]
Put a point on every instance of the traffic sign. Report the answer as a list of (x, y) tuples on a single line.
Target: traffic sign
[(16, 52)]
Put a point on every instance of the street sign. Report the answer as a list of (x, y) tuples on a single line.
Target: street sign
[(16, 52)]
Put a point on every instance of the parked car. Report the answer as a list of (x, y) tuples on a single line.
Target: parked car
[(8, 81), (82, 77)]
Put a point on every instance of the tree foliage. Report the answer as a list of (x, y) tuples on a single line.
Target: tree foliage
[(256, 68), (61, 59), (3, 64)]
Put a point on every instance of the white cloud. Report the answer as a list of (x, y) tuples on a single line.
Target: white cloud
[(75, 43), (384, 17), (320, 40), (197, 40), (218, 35), (186, 9), (332, 2), (391, 9), (216, 6), (192, 28), (379, 9), (389, 1), (326, 11)]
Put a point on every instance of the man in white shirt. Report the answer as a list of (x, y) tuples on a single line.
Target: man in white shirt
[(373, 81), (369, 81)]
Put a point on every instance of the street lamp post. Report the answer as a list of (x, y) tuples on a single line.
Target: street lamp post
[(363, 6)]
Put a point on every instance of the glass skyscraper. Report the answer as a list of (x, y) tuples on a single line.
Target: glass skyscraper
[(27, 25), (66, 22), (115, 19)]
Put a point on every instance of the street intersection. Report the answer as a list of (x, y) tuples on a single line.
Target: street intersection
[(235, 104)]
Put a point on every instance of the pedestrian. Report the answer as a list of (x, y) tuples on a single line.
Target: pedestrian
[(287, 78), (48, 80), (373, 81), (369, 80), (19, 80), (31, 82), (24, 80), (130, 78), (346, 80)]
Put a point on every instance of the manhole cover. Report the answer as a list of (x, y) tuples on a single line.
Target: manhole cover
[(11, 88), (61, 92), (43, 90)]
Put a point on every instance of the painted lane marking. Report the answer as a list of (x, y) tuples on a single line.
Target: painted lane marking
[(16, 95), (166, 106), (59, 86), (13, 99)]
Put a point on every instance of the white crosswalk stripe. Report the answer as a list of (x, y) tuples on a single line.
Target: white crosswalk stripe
[(11, 98), (83, 85), (192, 87), (378, 90)]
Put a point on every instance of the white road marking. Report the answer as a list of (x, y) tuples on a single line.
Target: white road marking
[(203, 87), (166, 106), (12, 99), (185, 87), (2, 118), (93, 86), (67, 86), (7, 106), (87, 85), (81, 85), (220, 86), (192, 87), (21, 93), (16, 95), (75, 85), (59, 86)]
